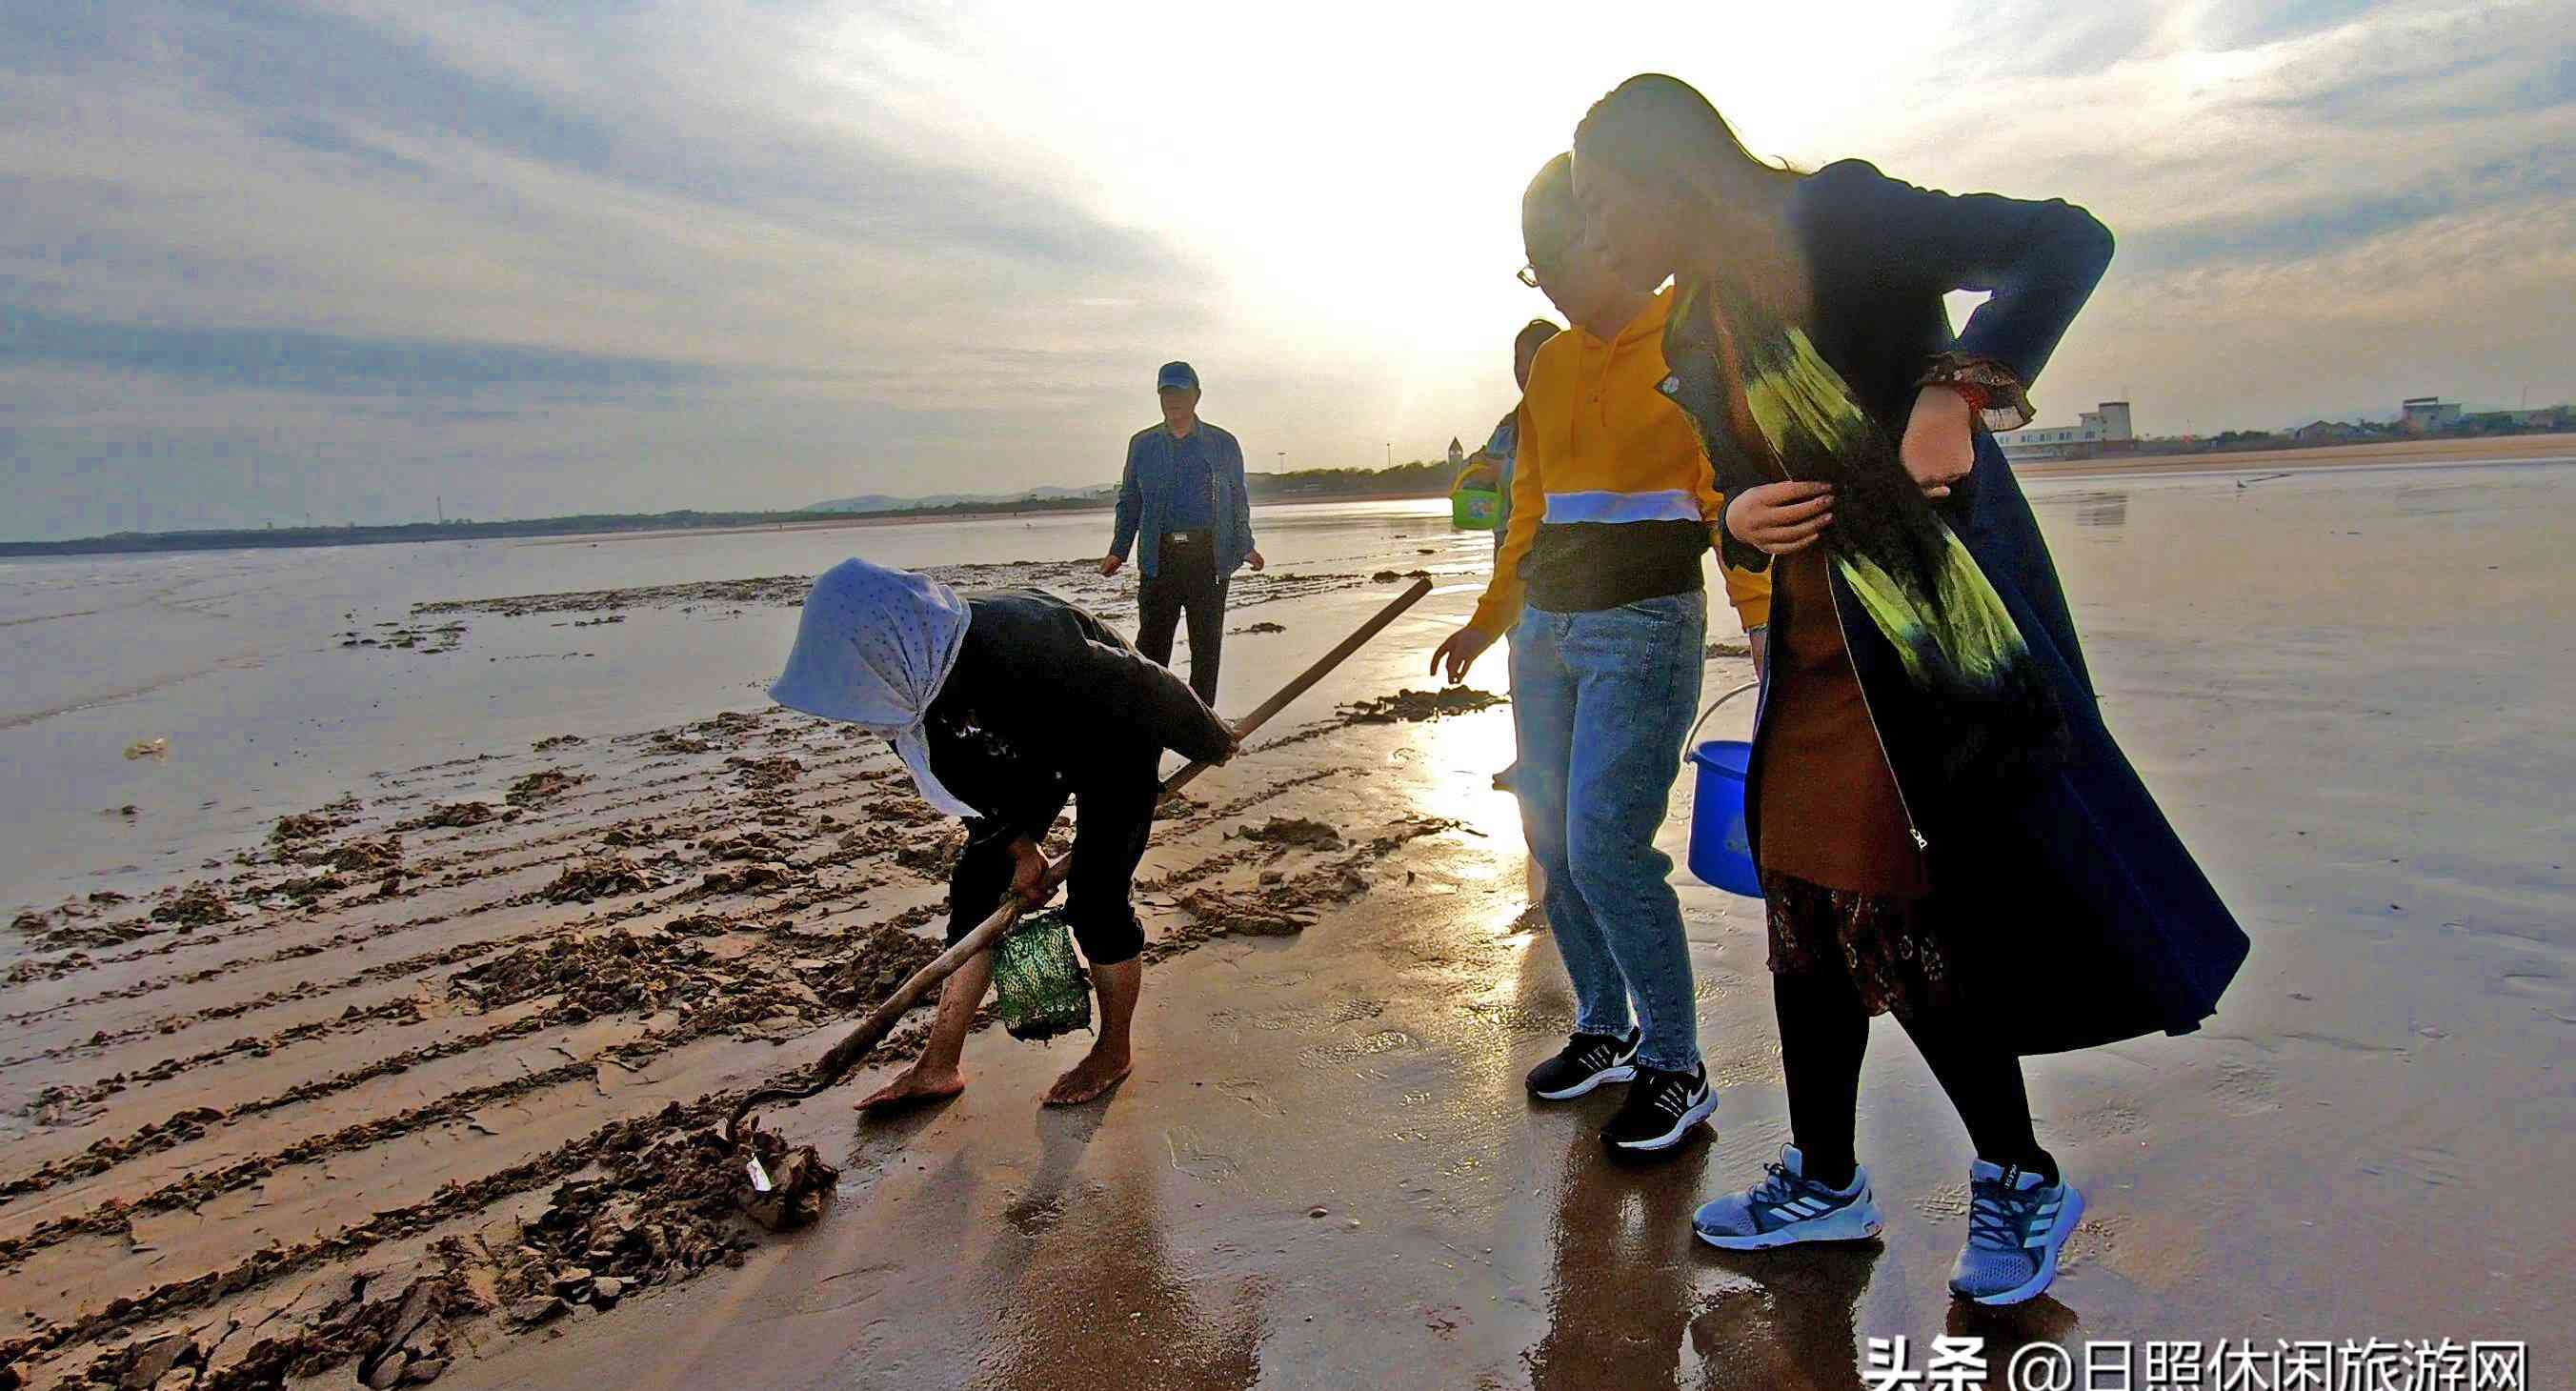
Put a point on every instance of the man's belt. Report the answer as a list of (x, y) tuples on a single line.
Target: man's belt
[(1186, 537)]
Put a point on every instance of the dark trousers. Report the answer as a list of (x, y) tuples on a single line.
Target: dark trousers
[(1824, 1029), (1114, 798), (1185, 578)]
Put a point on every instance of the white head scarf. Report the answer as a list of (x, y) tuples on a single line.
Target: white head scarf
[(873, 648)]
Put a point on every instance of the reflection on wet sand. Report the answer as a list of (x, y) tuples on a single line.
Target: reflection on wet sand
[(1086, 1295), (2003, 1333), (1786, 1319), (1619, 1285), (1630, 1303)]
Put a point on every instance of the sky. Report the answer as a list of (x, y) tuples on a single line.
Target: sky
[(371, 260)]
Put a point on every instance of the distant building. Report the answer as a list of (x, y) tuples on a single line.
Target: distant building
[(2106, 427), (2328, 432), (2425, 414)]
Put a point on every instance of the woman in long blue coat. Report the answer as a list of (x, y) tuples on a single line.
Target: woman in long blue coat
[(1945, 827)]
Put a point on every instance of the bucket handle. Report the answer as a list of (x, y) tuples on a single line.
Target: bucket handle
[(1688, 739)]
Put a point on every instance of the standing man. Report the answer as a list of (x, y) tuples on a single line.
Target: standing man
[(1184, 493)]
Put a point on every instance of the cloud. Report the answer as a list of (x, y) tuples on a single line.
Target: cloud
[(264, 256), (331, 364)]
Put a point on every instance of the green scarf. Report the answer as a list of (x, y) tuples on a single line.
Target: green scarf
[(1912, 576)]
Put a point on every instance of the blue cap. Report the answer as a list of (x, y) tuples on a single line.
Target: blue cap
[(1176, 376)]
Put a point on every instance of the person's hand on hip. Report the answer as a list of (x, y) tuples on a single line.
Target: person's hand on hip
[(1939, 448)]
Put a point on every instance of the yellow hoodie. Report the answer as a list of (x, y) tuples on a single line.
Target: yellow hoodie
[(1612, 499)]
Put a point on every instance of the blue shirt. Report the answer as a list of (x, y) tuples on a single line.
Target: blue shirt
[(1147, 489), (1192, 503), (1503, 448)]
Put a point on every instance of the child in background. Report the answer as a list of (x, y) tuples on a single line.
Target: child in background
[(1599, 582)]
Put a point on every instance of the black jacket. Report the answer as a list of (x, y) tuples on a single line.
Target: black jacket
[(1045, 698), (2072, 893)]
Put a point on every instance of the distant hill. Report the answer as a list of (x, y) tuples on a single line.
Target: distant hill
[(1428, 479), (882, 502)]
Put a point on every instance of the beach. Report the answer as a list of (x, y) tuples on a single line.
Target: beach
[(361, 1028)]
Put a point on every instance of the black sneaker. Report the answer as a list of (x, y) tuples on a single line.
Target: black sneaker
[(1588, 1061), (1661, 1108)]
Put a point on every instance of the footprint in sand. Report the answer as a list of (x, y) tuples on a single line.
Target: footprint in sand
[(1191, 1157), (1947, 1203), (2104, 1122), (1760, 1068), (1365, 1046), (1716, 985), (2092, 1240), (1251, 1094), (1542, 1018), (1309, 1020), (2246, 1088)]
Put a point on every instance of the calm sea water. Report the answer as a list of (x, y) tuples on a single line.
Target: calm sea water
[(234, 658)]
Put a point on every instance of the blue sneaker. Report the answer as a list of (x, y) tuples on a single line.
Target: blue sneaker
[(2017, 1222), (1789, 1208)]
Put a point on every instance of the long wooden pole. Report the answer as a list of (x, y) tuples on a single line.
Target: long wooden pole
[(836, 1064)]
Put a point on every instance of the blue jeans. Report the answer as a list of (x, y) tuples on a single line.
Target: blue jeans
[(1602, 702)]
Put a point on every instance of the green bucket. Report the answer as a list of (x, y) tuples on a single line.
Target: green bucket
[(1474, 509), (1039, 989)]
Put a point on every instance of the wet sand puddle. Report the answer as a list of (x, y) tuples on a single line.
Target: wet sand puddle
[(417, 1068)]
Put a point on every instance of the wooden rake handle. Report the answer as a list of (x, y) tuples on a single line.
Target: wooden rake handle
[(836, 1064)]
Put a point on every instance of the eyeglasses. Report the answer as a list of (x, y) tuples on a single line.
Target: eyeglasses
[(1527, 275)]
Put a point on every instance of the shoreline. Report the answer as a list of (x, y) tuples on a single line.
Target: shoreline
[(2549, 448)]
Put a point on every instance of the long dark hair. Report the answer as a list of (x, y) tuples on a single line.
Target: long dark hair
[(1661, 130)]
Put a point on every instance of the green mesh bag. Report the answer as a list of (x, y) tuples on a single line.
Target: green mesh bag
[(1040, 991)]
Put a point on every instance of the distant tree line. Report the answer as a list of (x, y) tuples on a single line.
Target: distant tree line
[(1420, 478)]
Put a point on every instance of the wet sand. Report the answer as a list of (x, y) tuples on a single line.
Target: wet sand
[(343, 1102)]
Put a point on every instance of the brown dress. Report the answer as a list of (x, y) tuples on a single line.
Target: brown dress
[(1843, 882)]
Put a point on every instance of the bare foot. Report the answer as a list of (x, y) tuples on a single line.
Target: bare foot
[(1096, 1073), (914, 1088)]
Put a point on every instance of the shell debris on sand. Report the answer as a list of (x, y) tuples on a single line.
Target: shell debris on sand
[(603, 876), (829, 861), (543, 786), (1409, 706), (1294, 830)]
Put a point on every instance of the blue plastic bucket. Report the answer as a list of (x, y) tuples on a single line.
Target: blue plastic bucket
[(1721, 852)]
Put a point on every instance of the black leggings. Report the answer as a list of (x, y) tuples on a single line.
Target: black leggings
[(1824, 1030), (1115, 798)]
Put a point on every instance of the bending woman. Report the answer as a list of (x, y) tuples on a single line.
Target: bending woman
[(1004, 705), (1612, 508), (1955, 837)]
